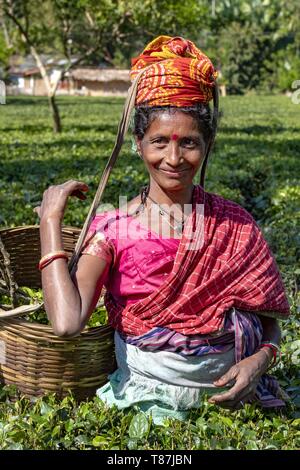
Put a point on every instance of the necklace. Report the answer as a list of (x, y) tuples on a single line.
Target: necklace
[(179, 227)]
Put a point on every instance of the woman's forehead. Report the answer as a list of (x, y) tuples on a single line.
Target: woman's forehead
[(174, 122)]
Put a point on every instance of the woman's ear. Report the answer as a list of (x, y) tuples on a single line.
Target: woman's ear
[(138, 143)]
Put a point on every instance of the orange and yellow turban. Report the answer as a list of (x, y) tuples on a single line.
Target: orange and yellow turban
[(178, 74)]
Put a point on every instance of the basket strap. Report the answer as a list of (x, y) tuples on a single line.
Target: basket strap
[(6, 273), (122, 129), (20, 310)]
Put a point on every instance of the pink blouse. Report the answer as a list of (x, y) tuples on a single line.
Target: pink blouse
[(139, 258)]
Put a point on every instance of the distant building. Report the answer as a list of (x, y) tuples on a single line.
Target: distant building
[(99, 82), (25, 78), (30, 82)]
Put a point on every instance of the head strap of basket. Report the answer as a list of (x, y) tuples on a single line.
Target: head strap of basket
[(169, 72)]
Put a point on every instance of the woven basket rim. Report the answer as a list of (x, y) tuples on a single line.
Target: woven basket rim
[(19, 321), (37, 226), (48, 329)]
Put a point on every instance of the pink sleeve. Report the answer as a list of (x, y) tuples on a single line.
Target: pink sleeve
[(97, 241)]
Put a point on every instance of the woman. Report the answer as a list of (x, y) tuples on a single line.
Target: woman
[(192, 294)]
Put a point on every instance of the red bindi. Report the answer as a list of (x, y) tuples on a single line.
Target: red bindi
[(174, 137)]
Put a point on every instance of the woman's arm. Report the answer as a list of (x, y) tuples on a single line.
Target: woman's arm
[(68, 303), (246, 373)]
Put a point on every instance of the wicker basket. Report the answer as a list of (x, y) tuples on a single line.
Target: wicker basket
[(36, 360)]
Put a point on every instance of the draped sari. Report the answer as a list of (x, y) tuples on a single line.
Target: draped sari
[(233, 267)]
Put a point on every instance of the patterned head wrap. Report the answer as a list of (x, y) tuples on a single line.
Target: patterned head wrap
[(179, 73)]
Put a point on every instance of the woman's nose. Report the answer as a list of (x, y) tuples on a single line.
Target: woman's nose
[(174, 153)]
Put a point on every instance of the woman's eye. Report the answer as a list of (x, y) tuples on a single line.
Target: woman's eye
[(159, 141), (190, 143)]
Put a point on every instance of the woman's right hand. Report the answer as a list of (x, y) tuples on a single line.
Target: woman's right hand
[(55, 199)]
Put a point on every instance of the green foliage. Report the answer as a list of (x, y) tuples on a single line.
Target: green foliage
[(288, 68), (254, 163), (250, 42), (244, 51), (254, 43), (58, 425), (4, 52), (33, 296)]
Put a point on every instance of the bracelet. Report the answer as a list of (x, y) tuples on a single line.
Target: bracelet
[(47, 259), (275, 350)]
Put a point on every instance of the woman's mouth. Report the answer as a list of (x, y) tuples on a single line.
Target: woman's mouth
[(174, 173)]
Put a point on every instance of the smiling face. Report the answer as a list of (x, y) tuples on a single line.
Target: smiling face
[(173, 149)]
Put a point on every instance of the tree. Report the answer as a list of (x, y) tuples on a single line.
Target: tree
[(247, 37), (6, 47), (150, 18), (74, 29)]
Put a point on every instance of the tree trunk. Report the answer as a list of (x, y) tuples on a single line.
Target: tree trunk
[(55, 114)]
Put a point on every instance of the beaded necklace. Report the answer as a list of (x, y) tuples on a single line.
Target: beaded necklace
[(179, 227)]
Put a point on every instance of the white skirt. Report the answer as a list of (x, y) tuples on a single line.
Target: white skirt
[(163, 383)]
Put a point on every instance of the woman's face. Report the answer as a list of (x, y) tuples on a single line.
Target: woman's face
[(172, 149)]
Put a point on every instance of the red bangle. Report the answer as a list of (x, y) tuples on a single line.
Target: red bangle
[(275, 350), (47, 259)]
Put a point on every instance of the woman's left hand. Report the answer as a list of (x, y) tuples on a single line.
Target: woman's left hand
[(245, 375)]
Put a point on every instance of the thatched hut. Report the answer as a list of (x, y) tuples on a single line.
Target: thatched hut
[(99, 82)]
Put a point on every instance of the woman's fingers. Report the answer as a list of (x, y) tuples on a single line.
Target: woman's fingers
[(231, 395), (238, 403), (74, 183), (74, 188), (244, 386), (240, 384), (246, 375), (227, 378), (55, 198), (78, 194), (227, 399)]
